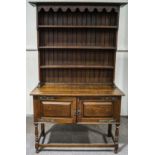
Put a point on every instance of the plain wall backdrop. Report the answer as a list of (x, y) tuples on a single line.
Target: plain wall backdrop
[(121, 74)]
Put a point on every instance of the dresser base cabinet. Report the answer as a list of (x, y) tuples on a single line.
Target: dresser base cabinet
[(77, 44), (79, 110)]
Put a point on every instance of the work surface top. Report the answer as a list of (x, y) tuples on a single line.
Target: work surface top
[(77, 90)]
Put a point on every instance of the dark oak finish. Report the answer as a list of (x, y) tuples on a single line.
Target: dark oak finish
[(36, 137), (78, 26), (77, 45), (116, 138), (72, 89), (109, 130), (97, 109), (77, 145), (55, 109), (43, 129)]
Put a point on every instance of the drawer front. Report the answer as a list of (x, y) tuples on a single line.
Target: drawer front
[(97, 109)]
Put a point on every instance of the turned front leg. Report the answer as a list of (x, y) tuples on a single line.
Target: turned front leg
[(36, 138), (116, 137), (43, 129), (109, 130)]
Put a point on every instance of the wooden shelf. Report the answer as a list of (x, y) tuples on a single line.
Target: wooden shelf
[(80, 50), (76, 66), (77, 47), (78, 26)]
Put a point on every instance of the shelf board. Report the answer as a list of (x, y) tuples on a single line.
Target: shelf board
[(77, 47), (76, 66), (78, 26)]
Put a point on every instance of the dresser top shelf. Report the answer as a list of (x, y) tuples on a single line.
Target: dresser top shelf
[(77, 62), (74, 2), (77, 90)]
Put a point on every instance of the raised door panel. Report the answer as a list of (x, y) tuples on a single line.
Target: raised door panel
[(58, 109), (96, 110)]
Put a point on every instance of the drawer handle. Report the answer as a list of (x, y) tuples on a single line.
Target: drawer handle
[(113, 98), (107, 121), (77, 113), (47, 120), (108, 98), (52, 121), (46, 98)]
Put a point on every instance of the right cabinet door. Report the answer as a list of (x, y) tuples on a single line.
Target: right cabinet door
[(98, 110)]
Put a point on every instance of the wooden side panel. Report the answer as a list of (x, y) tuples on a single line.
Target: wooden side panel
[(117, 109), (36, 108)]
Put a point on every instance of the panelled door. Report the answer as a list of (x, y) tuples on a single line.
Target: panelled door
[(58, 109), (78, 109), (95, 110)]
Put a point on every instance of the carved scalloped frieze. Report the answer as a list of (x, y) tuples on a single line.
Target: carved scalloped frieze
[(47, 8)]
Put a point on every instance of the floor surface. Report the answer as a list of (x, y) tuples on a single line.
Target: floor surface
[(76, 134)]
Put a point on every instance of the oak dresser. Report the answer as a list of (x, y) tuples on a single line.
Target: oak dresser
[(77, 44)]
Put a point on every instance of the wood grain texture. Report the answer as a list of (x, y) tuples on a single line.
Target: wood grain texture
[(36, 137), (77, 90), (97, 109), (77, 145), (73, 8), (56, 109), (77, 26), (54, 38), (85, 38)]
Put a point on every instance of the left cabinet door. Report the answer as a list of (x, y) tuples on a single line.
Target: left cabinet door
[(54, 109)]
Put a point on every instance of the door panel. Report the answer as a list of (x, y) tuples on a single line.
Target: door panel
[(82, 110), (58, 109), (95, 110)]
